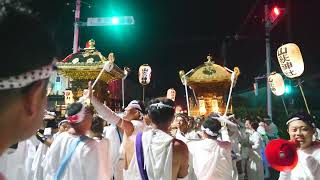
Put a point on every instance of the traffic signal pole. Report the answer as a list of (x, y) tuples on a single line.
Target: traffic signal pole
[(267, 25), (76, 26)]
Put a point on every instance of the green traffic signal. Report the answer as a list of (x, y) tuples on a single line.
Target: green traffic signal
[(288, 89), (115, 20)]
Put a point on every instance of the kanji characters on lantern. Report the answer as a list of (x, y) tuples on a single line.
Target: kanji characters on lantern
[(290, 60)]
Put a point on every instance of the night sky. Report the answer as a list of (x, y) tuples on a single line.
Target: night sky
[(175, 35)]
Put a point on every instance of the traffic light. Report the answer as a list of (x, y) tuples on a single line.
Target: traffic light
[(115, 20), (287, 87), (275, 14)]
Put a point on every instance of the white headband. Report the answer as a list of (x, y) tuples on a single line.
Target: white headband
[(292, 119), (63, 121), (27, 78), (160, 105), (135, 104), (76, 118), (209, 132)]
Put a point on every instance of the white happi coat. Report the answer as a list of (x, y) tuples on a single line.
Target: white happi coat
[(111, 133), (308, 167), (255, 165), (37, 167), (211, 159), (12, 163), (89, 161), (157, 150)]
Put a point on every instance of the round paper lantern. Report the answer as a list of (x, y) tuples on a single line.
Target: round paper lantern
[(171, 94), (276, 83), (281, 154), (290, 60), (144, 74)]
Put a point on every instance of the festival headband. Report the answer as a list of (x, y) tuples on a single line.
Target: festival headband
[(298, 118), (63, 121), (77, 118), (160, 105), (209, 132), (135, 104), (24, 79)]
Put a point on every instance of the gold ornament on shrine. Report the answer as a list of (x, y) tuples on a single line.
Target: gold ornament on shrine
[(290, 60), (276, 83)]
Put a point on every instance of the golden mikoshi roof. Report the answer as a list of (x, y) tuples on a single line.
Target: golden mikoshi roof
[(209, 77), (85, 71), (86, 65)]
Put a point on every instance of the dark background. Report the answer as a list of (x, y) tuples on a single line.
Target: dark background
[(175, 35)]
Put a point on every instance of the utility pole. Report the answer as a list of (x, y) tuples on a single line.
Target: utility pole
[(76, 26), (267, 25)]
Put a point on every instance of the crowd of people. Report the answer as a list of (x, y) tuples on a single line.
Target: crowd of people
[(152, 142)]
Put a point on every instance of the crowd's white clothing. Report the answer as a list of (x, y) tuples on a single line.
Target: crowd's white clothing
[(255, 165), (12, 162), (157, 151), (37, 166), (32, 144), (193, 135), (272, 131), (308, 167), (115, 139), (211, 159), (90, 159)]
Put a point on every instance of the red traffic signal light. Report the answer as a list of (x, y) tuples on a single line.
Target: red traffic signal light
[(275, 13)]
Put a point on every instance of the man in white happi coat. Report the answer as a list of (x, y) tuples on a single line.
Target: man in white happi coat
[(73, 155), (131, 123), (301, 128), (255, 167), (157, 155), (46, 141), (212, 155), (24, 75)]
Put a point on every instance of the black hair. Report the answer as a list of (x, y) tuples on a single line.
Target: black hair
[(52, 124), (143, 108), (161, 114), (74, 108), (213, 124), (183, 115), (26, 43), (254, 125), (305, 117), (97, 124)]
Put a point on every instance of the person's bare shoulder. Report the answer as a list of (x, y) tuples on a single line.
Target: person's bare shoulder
[(180, 146)]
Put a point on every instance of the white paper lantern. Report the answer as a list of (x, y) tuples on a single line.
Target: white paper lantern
[(276, 84), (68, 97), (290, 60), (171, 94), (144, 74)]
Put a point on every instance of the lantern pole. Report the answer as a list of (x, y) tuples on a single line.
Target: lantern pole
[(304, 98), (284, 105), (268, 55), (143, 92)]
